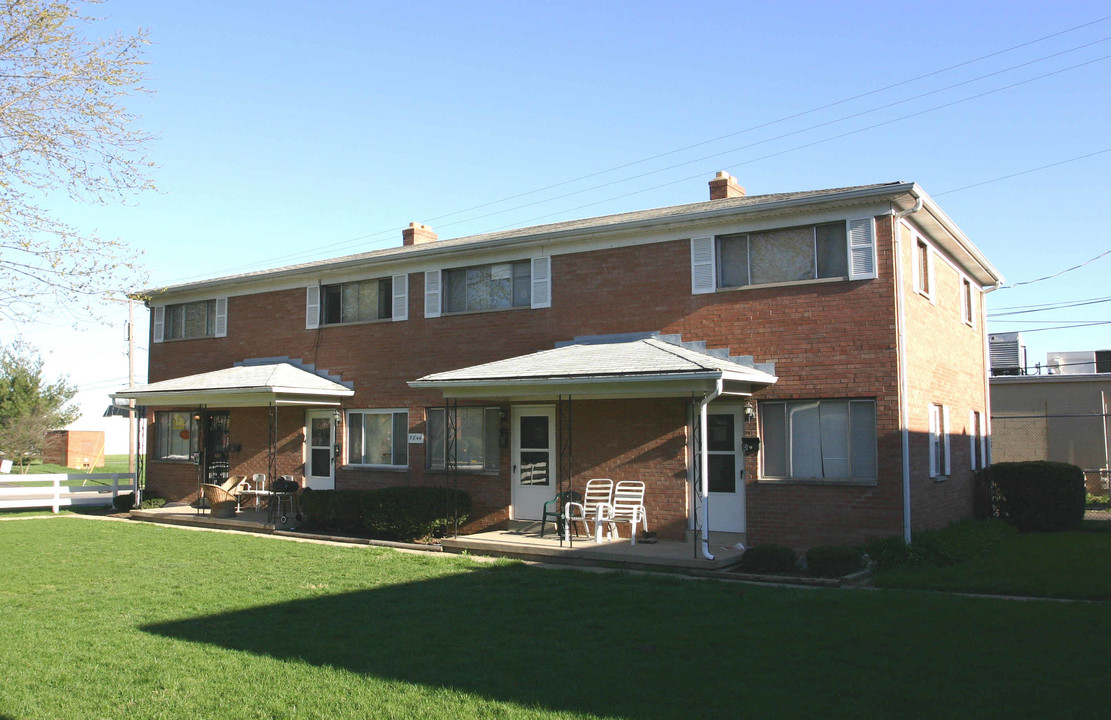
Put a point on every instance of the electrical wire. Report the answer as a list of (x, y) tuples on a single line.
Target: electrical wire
[(1089, 261), (1053, 306)]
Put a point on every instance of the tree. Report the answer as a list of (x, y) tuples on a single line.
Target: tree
[(29, 406), (64, 131)]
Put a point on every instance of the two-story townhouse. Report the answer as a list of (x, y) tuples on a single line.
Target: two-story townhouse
[(814, 356)]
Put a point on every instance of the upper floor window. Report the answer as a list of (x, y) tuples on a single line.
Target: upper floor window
[(356, 301), (378, 437), (183, 321), (488, 287), (819, 439), (837, 250), (923, 269), (967, 299), (939, 442), (780, 256)]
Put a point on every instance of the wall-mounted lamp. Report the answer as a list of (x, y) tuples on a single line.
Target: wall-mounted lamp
[(750, 411), (337, 416)]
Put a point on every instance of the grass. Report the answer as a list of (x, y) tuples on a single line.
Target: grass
[(112, 464), (112, 619), (1052, 565)]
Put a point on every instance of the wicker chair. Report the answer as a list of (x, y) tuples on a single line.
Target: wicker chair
[(222, 502)]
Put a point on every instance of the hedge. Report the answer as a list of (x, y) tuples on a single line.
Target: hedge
[(393, 513), (1038, 496), (769, 558), (833, 561)]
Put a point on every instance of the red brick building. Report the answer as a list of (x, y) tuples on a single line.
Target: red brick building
[(835, 338)]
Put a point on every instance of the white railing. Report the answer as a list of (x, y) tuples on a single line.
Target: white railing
[(34, 491)]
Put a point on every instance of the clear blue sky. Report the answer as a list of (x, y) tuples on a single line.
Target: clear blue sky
[(291, 131)]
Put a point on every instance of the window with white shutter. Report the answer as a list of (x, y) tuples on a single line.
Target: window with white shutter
[(703, 271), (862, 249), (312, 307), (158, 323), (541, 282), (432, 293), (400, 297), (221, 325)]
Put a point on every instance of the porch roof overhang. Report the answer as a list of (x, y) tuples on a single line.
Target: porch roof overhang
[(647, 367), (241, 386)]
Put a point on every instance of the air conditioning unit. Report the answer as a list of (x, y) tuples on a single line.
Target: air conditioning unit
[(1008, 353), (1085, 362)]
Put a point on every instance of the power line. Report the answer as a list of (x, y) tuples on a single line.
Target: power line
[(1063, 303), (1052, 306), (1089, 261), (1024, 172), (343, 243), (1065, 327)]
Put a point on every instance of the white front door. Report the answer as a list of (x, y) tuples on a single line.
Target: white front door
[(724, 428), (320, 437), (534, 461)]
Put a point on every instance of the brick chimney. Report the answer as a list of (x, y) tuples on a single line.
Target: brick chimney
[(418, 234), (724, 186)]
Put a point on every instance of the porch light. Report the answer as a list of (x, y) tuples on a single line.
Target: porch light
[(337, 416), (750, 411)]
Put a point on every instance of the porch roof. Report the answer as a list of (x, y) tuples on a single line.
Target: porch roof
[(241, 386), (642, 367)]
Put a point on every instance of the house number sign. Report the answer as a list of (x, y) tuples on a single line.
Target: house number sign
[(416, 438)]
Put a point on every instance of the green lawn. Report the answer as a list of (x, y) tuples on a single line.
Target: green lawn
[(110, 619), (112, 464), (1061, 565)]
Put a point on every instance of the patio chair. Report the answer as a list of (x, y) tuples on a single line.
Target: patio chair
[(598, 493), (222, 503), (627, 507), (556, 508)]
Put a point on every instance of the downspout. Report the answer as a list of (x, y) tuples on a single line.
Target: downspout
[(704, 464), (904, 382)]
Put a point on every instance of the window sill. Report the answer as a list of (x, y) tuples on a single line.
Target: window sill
[(788, 283), (816, 481), (185, 339), (321, 326), (940, 478), (484, 312), (173, 461), (924, 295), (386, 468), (463, 471)]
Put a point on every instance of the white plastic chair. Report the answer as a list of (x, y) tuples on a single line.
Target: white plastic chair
[(627, 507), (598, 494)]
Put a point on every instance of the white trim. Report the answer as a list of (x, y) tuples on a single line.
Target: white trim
[(399, 288), (703, 265), (934, 436), (540, 275), (946, 435), (158, 322), (312, 307), (968, 314), (433, 286), (221, 328)]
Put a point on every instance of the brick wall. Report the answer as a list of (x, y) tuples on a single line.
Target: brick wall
[(828, 340), (74, 448)]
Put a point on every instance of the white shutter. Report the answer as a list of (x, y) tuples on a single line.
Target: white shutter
[(432, 293), (221, 329), (703, 270), (541, 282), (983, 440), (158, 313), (973, 438), (948, 470), (312, 307), (862, 249), (934, 430), (400, 288)]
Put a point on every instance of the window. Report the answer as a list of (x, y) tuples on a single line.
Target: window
[(1103, 361), (356, 301), (175, 436), (477, 433), (819, 439), (778, 256), (191, 320), (923, 267), (488, 287), (977, 440), (378, 437), (939, 441), (966, 301)]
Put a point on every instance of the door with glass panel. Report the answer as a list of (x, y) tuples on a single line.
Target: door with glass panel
[(724, 428), (534, 461), (319, 448)]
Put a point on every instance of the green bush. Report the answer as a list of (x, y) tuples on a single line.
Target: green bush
[(412, 513), (316, 506), (833, 561), (151, 503), (346, 508), (768, 558), (1038, 496), (963, 540), (124, 502)]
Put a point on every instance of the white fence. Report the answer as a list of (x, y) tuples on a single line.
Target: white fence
[(58, 491)]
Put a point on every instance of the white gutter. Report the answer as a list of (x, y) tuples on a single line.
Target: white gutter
[(904, 383), (704, 464)]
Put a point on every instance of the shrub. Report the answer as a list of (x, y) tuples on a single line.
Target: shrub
[(124, 502), (768, 558), (316, 506), (963, 540), (1038, 496), (347, 508), (151, 503), (411, 513), (833, 561)]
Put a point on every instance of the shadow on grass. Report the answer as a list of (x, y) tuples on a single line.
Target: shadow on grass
[(617, 652)]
